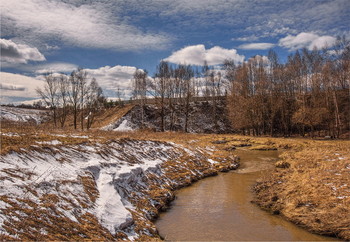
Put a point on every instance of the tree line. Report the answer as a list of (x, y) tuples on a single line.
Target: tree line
[(308, 94), (75, 94), (174, 87)]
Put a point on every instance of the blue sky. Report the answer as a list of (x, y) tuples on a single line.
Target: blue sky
[(113, 38)]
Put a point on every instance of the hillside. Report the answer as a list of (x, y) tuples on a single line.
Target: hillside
[(203, 118), (14, 114), (72, 187)]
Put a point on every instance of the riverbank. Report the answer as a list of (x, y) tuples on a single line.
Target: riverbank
[(74, 186), (310, 187)]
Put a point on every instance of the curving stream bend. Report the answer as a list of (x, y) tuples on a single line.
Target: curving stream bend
[(219, 208)]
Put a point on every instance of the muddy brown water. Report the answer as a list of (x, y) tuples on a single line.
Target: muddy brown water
[(219, 208)]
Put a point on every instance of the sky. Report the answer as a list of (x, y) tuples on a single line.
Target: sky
[(113, 38)]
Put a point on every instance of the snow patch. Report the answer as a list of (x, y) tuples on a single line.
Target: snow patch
[(114, 165), (52, 142), (123, 126), (22, 114), (110, 209), (212, 161), (10, 134)]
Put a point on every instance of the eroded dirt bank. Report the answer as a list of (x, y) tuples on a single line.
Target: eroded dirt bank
[(96, 191)]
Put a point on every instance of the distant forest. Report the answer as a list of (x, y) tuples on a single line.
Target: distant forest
[(306, 95)]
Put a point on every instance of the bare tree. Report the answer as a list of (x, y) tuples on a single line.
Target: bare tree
[(94, 101), (63, 99), (74, 96), (139, 83), (189, 92), (50, 94), (119, 94), (83, 90), (160, 86)]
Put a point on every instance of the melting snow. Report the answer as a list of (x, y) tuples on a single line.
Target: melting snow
[(212, 161), (107, 163), (123, 126), (72, 136), (11, 134), (52, 142), (110, 209), (22, 114)]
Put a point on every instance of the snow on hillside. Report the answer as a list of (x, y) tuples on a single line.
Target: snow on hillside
[(45, 171), (22, 114), (123, 126), (201, 119), (105, 181)]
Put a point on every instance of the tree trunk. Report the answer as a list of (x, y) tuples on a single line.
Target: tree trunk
[(337, 116)]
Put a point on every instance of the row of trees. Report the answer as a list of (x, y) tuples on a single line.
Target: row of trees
[(75, 94), (175, 86), (307, 93)]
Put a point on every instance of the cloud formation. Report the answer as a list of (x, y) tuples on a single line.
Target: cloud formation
[(306, 40), (9, 86), (59, 67), (112, 78), (246, 38), (197, 54), (92, 25), (266, 18), (256, 46), (18, 53), (15, 87)]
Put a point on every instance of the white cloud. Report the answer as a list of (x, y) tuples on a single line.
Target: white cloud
[(15, 87), (306, 40), (322, 41), (266, 18), (246, 38), (60, 67), (258, 58), (86, 25), (11, 87), (112, 78), (256, 46), (197, 54), (19, 53)]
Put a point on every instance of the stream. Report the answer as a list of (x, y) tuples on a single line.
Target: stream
[(219, 208)]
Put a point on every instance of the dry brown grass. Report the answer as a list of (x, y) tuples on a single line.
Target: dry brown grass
[(314, 192), (111, 115), (103, 118), (17, 135), (30, 218)]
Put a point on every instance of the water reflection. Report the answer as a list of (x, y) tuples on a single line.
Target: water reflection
[(219, 208)]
